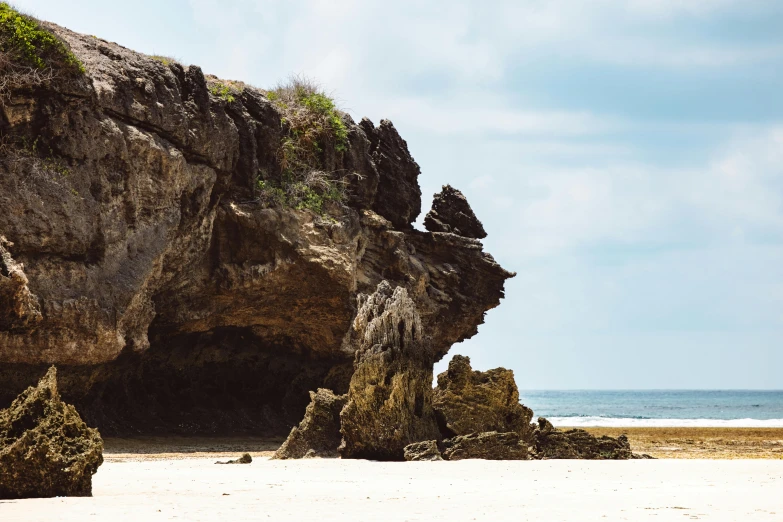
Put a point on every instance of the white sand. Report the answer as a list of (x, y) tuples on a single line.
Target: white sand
[(195, 489)]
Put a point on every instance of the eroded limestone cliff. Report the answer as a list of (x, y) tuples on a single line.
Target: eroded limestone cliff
[(137, 255)]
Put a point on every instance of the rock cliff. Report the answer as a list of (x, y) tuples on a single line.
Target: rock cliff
[(139, 257)]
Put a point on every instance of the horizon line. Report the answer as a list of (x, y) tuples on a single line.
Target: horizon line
[(648, 389)]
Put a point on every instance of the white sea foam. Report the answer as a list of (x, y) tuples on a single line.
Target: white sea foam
[(607, 422)]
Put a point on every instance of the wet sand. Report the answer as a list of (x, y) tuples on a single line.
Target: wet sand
[(662, 443), (168, 448), (702, 443), (346, 490)]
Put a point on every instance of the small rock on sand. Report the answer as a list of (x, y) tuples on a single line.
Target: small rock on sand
[(244, 459)]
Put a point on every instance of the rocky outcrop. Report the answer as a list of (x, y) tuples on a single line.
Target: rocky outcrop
[(467, 401), (451, 212), (318, 435), (46, 450), (390, 395), (398, 174), (482, 409), (140, 259), (551, 443), (488, 446), (139, 254), (423, 451)]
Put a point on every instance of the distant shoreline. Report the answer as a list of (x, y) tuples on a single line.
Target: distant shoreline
[(699, 442), (626, 422), (659, 408)]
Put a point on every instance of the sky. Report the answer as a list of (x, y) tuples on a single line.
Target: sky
[(625, 157)]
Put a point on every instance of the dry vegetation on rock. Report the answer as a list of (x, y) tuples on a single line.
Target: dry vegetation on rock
[(30, 54), (315, 134)]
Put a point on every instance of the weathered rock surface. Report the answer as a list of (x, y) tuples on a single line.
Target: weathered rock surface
[(390, 395), (19, 308), (488, 446), (46, 450), (451, 212), (318, 435), (551, 443), (467, 401), (426, 450), (398, 174), (170, 298), (482, 409)]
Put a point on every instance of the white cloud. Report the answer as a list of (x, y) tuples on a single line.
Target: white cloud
[(474, 43), (735, 196), (672, 8), (375, 54), (479, 114)]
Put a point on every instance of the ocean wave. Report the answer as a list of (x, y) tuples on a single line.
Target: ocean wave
[(626, 422)]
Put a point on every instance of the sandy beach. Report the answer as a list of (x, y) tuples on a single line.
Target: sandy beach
[(340, 490), (716, 474)]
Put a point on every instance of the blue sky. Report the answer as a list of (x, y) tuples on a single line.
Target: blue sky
[(625, 156)]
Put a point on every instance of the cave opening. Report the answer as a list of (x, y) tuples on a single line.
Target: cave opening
[(223, 382)]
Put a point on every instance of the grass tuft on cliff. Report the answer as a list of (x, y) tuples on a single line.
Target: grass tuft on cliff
[(24, 43), (314, 128), (311, 191), (165, 60), (313, 120)]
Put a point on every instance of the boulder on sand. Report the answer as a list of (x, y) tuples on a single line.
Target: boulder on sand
[(551, 443), (488, 446), (246, 458), (467, 401), (425, 450), (318, 435), (46, 450)]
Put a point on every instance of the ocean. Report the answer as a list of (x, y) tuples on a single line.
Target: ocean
[(672, 408)]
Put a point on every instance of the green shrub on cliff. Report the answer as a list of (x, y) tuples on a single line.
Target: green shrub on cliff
[(313, 121), (25, 43), (311, 192), (222, 90), (314, 128)]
